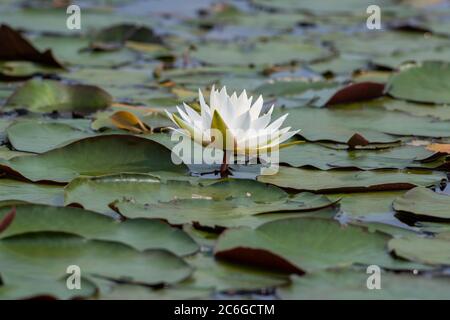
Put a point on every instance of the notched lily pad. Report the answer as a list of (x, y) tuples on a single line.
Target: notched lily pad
[(299, 245), (94, 156)]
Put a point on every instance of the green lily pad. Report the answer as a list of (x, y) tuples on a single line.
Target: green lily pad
[(50, 95), (223, 276), (111, 77), (95, 156), (47, 20), (224, 213), (352, 284), (22, 70), (350, 181), (304, 245), (6, 153), (396, 59), (29, 287), (439, 112), (139, 233), (408, 84), (370, 120), (75, 51), (258, 53), (116, 291), (320, 94), (424, 204), (321, 157), (47, 255), (423, 250), (320, 7), (366, 203), (340, 65), (293, 88), (384, 43), (42, 136), (13, 190), (120, 33), (97, 193)]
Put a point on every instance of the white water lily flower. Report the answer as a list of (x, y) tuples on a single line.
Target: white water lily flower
[(242, 127)]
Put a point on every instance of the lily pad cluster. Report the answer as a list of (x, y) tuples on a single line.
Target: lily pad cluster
[(88, 178)]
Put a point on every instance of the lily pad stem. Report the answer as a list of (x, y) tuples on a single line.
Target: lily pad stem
[(224, 171)]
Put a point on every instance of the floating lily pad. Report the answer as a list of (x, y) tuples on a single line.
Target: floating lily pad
[(352, 284), (384, 43), (47, 255), (423, 250), (6, 153), (366, 203), (47, 20), (95, 156), (408, 84), (315, 155), (396, 59), (224, 213), (23, 70), (424, 204), (258, 53), (97, 193), (222, 276), (304, 245), (50, 95), (76, 51), (117, 35), (117, 291), (321, 94), (139, 234), (42, 136), (29, 287), (14, 190), (340, 181), (110, 77), (371, 121), (320, 6), (439, 112)]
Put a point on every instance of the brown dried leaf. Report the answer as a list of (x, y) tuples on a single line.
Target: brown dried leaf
[(129, 121)]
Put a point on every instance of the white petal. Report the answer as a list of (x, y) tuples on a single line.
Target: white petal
[(205, 111), (223, 99), (213, 100), (277, 123), (234, 99), (192, 113), (255, 110), (170, 116), (287, 135), (242, 123), (184, 116), (261, 122)]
